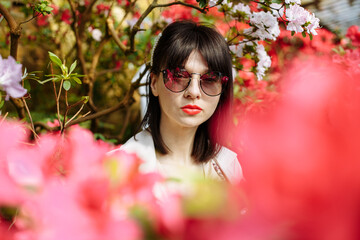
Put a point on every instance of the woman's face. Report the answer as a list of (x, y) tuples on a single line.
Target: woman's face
[(191, 107)]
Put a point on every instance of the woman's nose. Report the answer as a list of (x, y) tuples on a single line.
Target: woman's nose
[(193, 90)]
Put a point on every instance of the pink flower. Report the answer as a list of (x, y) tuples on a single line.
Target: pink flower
[(10, 77), (301, 157), (11, 137)]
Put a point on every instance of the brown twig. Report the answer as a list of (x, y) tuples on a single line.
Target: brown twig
[(35, 16), (114, 70), (3, 118), (110, 25), (151, 7), (127, 101), (92, 71), (78, 31), (266, 5), (125, 123), (75, 115), (66, 111), (30, 118), (58, 103), (46, 127), (85, 17)]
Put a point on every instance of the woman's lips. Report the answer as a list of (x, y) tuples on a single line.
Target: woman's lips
[(191, 109)]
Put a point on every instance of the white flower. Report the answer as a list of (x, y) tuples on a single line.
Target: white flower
[(279, 11), (264, 62), (167, 20), (132, 22), (212, 3), (265, 26), (240, 7), (297, 17), (313, 24), (293, 1), (96, 34), (117, 13), (238, 49), (10, 78)]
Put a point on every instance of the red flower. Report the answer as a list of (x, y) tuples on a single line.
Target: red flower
[(55, 9), (66, 16), (31, 37), (101, 8), (42, 20), (354, 34), (127, 2), (137, 15), (177, 12)]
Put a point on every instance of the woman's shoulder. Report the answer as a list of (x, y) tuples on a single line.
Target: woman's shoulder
[(142, 145), (142, 138), (229, 163)]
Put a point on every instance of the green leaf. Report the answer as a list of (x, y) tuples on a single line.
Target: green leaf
[(48, 9), (202, 3), (1, 103), (85, 99), (27, 85), (49, 79), (64, 70), (66, 85), (72, 67), (311, 36), (55, 59), (303, 34), (77, 75), (292, 33), (77, 80)]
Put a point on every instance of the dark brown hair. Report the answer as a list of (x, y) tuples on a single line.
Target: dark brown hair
[(175, 45)]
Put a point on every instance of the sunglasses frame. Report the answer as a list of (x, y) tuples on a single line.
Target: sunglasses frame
[(164, 72)]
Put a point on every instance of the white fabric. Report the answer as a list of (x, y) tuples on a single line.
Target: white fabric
[(143, 145)]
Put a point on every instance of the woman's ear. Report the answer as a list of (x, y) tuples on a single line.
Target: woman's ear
[(153, 84)]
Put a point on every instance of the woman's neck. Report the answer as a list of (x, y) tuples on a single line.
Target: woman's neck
[(180, 142)]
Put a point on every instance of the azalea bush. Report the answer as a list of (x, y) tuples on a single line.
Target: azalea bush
[(107, 41), (295, 131), (252, 95), (70, 187), (299, 156)]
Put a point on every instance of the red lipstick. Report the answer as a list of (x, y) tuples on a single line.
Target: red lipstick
[(191, 109)]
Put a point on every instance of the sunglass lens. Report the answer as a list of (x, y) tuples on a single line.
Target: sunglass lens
[(211, 83), (176, 80)]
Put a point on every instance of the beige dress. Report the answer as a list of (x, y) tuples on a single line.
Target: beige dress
[(143, 145)]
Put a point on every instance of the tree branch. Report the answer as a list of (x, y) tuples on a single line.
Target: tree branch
[(15, 33), (151, 7), (127, 101), (10, 19), (113, 33)]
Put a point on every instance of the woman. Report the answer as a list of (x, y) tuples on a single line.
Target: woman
[(190, 94)]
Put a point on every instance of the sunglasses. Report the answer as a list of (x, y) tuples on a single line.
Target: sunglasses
[(177, 80)]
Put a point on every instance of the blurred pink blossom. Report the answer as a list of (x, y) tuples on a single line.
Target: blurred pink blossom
[(301, 157)]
